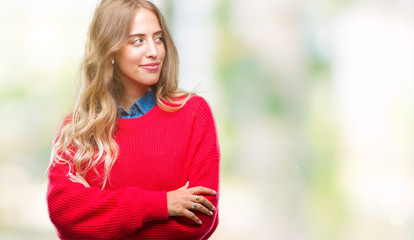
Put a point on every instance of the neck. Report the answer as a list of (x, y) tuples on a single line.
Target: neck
[(132, 95)]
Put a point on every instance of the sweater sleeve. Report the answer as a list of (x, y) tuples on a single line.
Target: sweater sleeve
[(205, 168), (91, 213), (78, 212), (204, 156)]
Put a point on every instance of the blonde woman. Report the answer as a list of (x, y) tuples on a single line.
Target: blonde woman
[(137, 158)]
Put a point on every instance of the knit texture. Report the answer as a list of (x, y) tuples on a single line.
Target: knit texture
[(159, 152)]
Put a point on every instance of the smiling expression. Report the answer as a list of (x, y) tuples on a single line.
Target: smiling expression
[(141, 60)]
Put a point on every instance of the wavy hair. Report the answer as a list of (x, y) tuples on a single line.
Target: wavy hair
[(86, 139)]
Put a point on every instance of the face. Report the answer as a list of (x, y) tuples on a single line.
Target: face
[(141, 60)]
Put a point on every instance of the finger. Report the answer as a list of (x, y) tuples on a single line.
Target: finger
[(78, 179), (82, 180), (184, 187), (191, 216), (72, 177), (201, 208), (202, 190), (75, 179), (205, 202), (85, 183)]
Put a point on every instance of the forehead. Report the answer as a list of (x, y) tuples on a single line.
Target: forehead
[(145, 22)]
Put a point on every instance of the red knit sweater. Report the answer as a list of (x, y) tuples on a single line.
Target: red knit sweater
[(159, 152)]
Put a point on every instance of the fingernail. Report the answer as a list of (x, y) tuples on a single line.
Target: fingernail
[(211, 213), (199, 222), (214, 192), (214, 208)]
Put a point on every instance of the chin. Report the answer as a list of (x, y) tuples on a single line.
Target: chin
[(150, 83)]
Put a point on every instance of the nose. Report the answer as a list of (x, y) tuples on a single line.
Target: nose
[(151, 51)]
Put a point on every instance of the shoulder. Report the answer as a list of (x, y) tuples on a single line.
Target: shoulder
[(65, 121), (68, 118), (189, 106), (199, 108), (198, 103), (187, 102), (62, 126)]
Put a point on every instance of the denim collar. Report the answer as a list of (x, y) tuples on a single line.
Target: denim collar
[(142, 106)]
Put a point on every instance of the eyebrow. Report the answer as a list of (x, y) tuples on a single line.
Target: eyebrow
[(142, 35)]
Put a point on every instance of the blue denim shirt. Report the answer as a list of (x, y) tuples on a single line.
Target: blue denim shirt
[(140, 107)]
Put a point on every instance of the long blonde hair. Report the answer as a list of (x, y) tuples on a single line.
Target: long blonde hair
[(86, 140)]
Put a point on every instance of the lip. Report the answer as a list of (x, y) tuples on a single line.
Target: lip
[(151, 66)]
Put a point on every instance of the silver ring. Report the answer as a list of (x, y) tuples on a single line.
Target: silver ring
[(197, 199), (194, 206)]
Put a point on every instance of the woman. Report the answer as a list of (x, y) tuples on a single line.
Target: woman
[(118, 174)]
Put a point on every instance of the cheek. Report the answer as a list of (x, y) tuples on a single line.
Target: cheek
[(130, 56), (127, 63), (161, 53)]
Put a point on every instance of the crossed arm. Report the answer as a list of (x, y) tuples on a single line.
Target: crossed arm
[(180, 202), (80, 211)]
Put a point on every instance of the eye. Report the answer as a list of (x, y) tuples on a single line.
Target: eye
[(137, 41), (159, 39)]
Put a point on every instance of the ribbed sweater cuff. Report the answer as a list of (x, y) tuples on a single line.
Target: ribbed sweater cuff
[(153, 205)]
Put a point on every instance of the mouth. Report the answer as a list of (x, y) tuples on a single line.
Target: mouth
[(151, 66)]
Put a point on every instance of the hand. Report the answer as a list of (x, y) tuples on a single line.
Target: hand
[(79, 179), (182, 200)]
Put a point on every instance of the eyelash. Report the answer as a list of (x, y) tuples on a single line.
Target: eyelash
[(141, 40), (162, 38)]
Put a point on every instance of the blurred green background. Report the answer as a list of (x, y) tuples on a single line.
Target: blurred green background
[(313, 101)]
